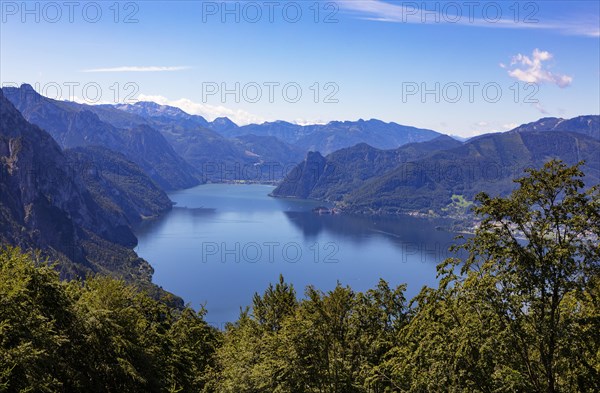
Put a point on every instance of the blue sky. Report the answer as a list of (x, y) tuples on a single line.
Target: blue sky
[(366, 59)]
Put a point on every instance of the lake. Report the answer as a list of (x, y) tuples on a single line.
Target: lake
[(221, 243)]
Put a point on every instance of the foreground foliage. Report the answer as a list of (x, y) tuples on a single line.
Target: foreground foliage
[(521, 313), (97, 336)]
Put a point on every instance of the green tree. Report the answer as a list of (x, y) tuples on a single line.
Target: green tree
[(96, 335), (278, 302), (519, 313), (239, 356), (251, 359), (124, 336), (37, 326), (379, 315), (335, 340), (192, 343), (539, 249)]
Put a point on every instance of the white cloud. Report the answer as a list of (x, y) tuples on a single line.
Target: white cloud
[(305, 122), (417, 12), (541, 109), (479, 128), (138, 69), (475, 131), (210, 112), (510, 126), (532, 69)]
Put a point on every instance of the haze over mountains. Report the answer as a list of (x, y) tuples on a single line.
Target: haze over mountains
[(75, 179)]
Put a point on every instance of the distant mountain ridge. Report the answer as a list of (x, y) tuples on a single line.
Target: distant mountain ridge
[(221, 150), (152, 109), (335, 135), (324, 138), (178, 150), (216, 157), (588, 125), (149, 109)]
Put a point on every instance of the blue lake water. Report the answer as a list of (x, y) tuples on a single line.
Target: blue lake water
[(222, 243)]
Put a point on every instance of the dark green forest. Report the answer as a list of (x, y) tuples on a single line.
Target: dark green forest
[(521, 313)]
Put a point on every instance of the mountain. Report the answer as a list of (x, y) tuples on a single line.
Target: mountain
[(207, 151), (587, 125), (270, 150), (336, 135), (330, 178), (442, 176), (448, 180), (44, 204), (146, 109), (77, 125), (217, 158), (222, 151), (167, 113), (280, 129), (117, 184), (222, 124)]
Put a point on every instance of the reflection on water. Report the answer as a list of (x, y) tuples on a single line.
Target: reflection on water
[(192, 215), (221, 243), (413, 236), (357, 227)]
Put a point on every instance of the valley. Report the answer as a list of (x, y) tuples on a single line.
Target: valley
[(124, 159)]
